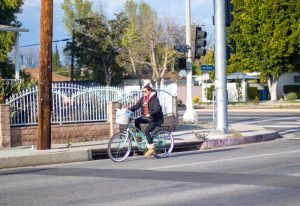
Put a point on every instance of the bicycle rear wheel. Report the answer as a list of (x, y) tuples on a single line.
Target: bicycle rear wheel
[(164, 143), (119, 147)]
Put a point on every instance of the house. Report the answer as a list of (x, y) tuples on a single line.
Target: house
[(34, 72)]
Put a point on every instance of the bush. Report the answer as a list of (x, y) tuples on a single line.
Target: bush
[(180, 103), (255, 100), (209, 92), (196, 99), (252, 93), (292, 96), (291, 88), (7, 89)]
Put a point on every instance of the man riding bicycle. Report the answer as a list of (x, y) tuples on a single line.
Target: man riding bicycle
[(151, 115)]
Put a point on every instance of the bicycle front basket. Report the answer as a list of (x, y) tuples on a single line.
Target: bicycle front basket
[(123, 116)]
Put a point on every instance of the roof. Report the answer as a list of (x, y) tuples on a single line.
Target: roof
[(12, 28), (240, 75), (34, 72)]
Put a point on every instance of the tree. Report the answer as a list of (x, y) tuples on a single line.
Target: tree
[(148, 42), (132, 52), (75, 9), (30, 57), (55, 60), (8, 11), (98, 42), (265, 38)]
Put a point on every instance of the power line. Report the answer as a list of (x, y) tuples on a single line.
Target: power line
[(29, 45)]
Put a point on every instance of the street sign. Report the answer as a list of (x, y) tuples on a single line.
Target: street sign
[(181, 48), (207, 68)]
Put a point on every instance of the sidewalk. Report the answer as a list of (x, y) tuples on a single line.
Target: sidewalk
[(187, 137)]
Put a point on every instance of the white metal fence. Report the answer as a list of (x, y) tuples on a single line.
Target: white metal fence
[(75, 103), (164, 97)]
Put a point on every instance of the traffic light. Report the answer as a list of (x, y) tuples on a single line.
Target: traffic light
[(181, 63), (228, 12), (200, 43)]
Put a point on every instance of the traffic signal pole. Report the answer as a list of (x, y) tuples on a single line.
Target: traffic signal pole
[(220, 65), (45, 76), (189, 115)]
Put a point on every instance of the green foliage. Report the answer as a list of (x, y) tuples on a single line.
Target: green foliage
[(265, 37), (8, 88), (148, 42), (252, 93), (7, 70), (55, 60), (96, 47), (255, 100), (8, 11), (196, 99), (209, 92), (292, 96), (291, 88), (74, 10)]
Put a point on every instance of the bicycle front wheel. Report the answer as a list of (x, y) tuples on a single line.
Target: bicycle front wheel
[(119, 147), (164, 143)]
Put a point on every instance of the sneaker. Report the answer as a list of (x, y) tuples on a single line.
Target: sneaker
[(150, 151)]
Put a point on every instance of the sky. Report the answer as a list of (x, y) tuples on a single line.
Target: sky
[(201, 14)]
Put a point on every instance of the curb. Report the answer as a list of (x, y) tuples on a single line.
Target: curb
[(45, 159), (48, 158), (208, 144)]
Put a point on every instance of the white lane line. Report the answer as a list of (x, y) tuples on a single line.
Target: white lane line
[(222, 160), (266, 120), (280, 126)]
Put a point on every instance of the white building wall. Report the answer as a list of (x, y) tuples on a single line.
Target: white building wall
[(232, 92)]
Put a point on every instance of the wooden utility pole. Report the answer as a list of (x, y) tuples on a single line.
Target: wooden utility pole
[(45, 76)]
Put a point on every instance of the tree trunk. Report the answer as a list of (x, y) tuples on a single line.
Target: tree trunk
[(272, 84), (155, 74), (132, 63)]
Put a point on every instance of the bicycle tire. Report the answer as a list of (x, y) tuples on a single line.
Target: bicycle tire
[(164, 143), (118, 150)]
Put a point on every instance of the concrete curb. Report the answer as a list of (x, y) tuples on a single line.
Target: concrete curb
[(45, 159), (86, 154), (208, 144)]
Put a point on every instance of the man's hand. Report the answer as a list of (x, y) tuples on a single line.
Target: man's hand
[(148, 115)]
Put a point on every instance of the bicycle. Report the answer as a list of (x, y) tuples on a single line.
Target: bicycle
[(120, 145)]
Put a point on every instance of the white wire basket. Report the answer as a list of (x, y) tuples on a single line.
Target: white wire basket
[(123, 116)]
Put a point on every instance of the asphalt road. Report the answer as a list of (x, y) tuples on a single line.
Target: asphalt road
[(255, 174), (265, 173)]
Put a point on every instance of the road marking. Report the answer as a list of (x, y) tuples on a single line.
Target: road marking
[(222, 160), (266, 120), (288, 131), (279, 126)]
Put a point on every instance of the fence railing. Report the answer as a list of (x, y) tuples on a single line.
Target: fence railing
[(74, 103)]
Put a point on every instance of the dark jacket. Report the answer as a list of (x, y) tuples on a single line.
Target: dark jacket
[(155, 110)]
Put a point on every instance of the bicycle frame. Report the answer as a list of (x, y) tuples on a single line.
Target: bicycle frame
[(141, 145)]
